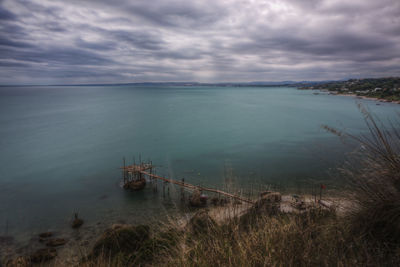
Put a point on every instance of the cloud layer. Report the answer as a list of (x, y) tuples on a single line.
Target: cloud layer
[(103, 41)]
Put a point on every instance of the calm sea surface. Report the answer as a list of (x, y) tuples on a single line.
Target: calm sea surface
[(61, 147)]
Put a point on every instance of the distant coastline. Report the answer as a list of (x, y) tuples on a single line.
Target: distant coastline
[(377, 99), (372, 98), (380, 89)]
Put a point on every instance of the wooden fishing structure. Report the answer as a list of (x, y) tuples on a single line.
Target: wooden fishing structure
[(134, 178)]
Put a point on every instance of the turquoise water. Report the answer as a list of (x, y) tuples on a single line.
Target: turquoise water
[(61, 147)]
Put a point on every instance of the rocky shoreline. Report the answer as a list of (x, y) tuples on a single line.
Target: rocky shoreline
[(370, 98), (354, 95), (55, 249)]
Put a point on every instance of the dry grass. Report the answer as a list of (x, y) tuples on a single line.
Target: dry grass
[(315, 238), (374, 176)]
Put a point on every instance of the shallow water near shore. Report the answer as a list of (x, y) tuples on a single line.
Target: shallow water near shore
[(61, 147)]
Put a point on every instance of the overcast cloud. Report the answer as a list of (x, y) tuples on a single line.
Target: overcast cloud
[(103, 41)]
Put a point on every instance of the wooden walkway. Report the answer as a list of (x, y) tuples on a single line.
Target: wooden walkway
[(137, 171)]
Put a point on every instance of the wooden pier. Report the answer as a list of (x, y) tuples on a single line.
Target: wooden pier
[(134, 178)]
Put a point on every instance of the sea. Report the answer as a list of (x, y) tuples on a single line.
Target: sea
[(61, 148)]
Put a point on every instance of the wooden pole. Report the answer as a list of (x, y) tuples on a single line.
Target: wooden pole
[(315, 194), (320, 192), (182, 189), (163, 189), (124, 171), (151, 178), (155, 184)]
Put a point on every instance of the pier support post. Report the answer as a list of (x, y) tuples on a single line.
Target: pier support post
[(124, 171), (163, 189), (182, 190)]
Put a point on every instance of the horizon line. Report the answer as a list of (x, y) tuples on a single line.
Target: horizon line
[(253, 83)]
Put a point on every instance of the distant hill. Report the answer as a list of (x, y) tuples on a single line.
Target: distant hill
[(383, 88)]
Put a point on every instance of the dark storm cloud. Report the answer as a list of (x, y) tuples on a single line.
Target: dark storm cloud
[(13, 64), (5, 14), (4, 41), (167, 13), (138, 39), (102, 46), (177, 40), (340, 45), (56, 55)]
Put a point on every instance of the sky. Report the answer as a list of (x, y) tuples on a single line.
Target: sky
[(122, 41)]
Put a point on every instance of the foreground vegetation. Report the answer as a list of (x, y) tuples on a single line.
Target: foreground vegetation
[(314, 238)]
